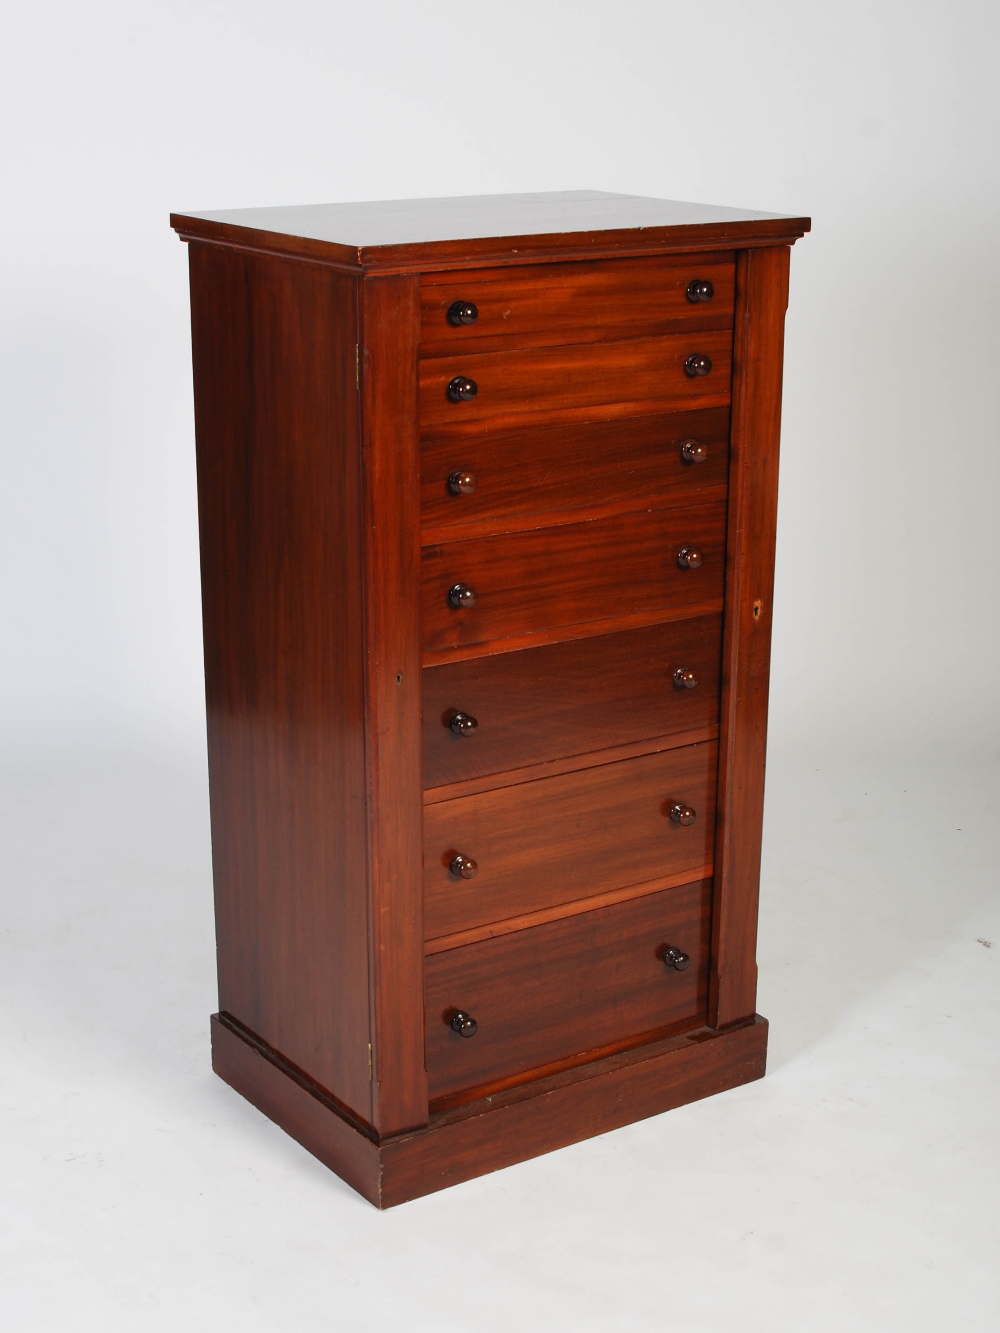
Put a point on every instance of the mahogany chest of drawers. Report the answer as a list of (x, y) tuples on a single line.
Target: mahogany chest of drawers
[(487, 500)]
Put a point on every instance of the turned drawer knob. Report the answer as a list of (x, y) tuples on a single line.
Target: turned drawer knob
[(462, 390), (463, 867), (462, 483), (464, 312), (684, 679), (461, 595), (682, 814), (693, 452), (676, 958), (464, 724), (689, 557), (465, 1025), (696, 364), (698, 289)]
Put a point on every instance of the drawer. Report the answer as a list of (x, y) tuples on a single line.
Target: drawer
[(577, 383), (550, 470), (577, 573), (582, 984), (570, 698), (570, 303), (562, 839)]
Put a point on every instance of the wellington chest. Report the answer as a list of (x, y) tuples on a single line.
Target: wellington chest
[(487, 495)]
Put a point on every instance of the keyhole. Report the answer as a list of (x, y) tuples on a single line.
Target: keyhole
[(399, 678), (756, 613)]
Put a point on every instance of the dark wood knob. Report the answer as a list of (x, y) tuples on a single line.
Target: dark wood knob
[(462, 483), (464, 312), (462, 390), (461, 595), (682, 814), (693, 452), (684, 679), (463, 867), (696, 364), (699, 289), (464, 724), (676, 958), (689, 557), (464, 1024)]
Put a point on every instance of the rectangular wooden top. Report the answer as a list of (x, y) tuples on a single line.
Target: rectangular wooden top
[(404, 235)]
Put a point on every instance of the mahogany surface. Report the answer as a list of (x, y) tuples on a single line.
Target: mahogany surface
[(448, 942), (525, 477), (572, 697), (533, 307), (564, 838), (583, 983), (542, 384), (593, 571)]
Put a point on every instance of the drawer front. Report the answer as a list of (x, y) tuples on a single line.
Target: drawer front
[(561, 839), (571, 698), (569, 303), (580, 984), (612, 379), (573, 574), (552, 469)]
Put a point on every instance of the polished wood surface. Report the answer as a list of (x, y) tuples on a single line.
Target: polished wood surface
[(564, 838), (482, 1136), (761, 302), (427, 234), (536, 307), (524, 477), (560, 990), (389, 313), (577, 696), (279, 494), (544, 385), (580, 572)]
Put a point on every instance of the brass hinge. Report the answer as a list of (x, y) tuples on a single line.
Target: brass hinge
[(357, 371), (369, 1062)]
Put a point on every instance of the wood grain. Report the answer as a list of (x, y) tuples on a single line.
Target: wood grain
[(762, 296), (390, 322), (569, 698), (528, 476), (564, 838), (568, 575), (577, 382), (536, 306), (279, 488), (563, 989)]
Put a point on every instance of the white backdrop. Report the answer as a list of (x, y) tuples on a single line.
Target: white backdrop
[(878, 119), (846, 1190)]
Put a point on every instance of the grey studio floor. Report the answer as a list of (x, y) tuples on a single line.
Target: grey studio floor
[(853, 1188)]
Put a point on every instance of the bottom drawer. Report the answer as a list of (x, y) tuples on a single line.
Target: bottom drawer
[(571, 986)]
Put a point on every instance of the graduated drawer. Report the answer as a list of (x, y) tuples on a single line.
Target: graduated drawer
[(583, 984), (577, 382), (549, 470), (573, 574), (543, 844), (568, 303), (571, 698)]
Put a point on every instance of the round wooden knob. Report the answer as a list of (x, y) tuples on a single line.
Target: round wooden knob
[(464, 724), (676, 958), (464, 312), (462, 390), (463, 867), (684, 679), (464, 1024), (693, 452), (699, 289), (682, 814), (462, 596), (689, 557), (462, 483), (696, 364)]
